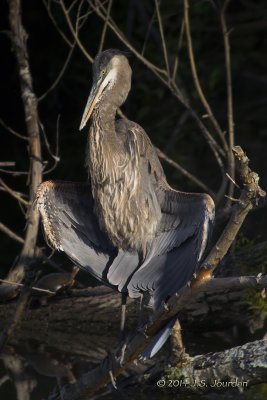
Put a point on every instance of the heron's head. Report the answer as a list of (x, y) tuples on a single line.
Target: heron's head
[(111, 82)]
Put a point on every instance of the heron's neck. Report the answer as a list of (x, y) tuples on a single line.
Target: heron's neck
[(104, 146), (104, 120)]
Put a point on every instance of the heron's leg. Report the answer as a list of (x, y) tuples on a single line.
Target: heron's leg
[(110, 360), (140, 313), (123, 315)]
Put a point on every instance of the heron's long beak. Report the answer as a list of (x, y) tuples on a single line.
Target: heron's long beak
[(95, 93)]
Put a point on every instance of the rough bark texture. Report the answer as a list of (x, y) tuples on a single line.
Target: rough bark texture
[(74, 312), (28, 254), (238, 367), (30, 103)]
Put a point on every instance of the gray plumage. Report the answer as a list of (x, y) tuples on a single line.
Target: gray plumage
[(126, 226)]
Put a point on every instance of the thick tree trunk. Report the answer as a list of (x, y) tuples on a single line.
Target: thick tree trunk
[(95, 313)]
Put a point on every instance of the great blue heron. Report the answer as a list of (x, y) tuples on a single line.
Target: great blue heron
[(126, 226)]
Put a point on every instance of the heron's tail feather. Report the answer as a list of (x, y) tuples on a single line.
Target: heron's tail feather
[(158, 341)]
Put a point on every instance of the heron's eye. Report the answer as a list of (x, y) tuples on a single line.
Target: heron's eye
[(103, 72)]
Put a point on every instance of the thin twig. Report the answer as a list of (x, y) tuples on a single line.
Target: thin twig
[(162, 39), (196, 79), (71, 6), (12, 130), (7, 163), (14, 173), (180, 41), (232, 199), (157, 71), (64, 37), (56, 156), (47, 144), (13, 193), (181, 121), (22, 285), (231, 162), (149, 26), (73, 32), (232, 180), (61, 72), (105, 27), (19, 239), (184, 172), (10, 233), (81, 20)]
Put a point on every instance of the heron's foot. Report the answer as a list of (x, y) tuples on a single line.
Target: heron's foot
[(110, 362), (121, 351)]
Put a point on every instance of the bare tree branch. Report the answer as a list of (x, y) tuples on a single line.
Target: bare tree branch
[(61, 73), (46, 291), (162, 39), (196, 80), (230, 158), (178, 127), (7, 164), (73, 31), (64, 37), (157, 71), (13, 193), (101, 44), (14, 173), (10, 233), (12, 130), (28, 253), (184, 172), (180, 40)]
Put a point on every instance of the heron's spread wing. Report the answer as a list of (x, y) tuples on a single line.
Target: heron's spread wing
[(177, 250), (70, 225), (174, 254)]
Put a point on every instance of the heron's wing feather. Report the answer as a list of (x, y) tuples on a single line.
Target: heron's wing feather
[(176, 252), (184, 215), (70, 225)]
